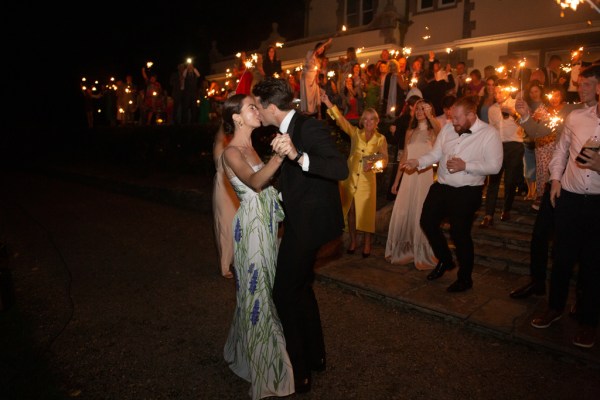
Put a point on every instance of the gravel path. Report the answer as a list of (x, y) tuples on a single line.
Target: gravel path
[(119, 298)]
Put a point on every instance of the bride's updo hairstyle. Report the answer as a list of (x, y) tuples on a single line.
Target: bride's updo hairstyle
[(232, 105)]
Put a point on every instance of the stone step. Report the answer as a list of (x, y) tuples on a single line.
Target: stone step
[(503, 238), (504, 246), (504, 254), (518, 221), (502, 259)]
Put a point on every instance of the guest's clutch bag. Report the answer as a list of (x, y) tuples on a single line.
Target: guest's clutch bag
[(373, 163)]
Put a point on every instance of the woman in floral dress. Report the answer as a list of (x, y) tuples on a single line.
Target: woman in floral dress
[(255, 348)]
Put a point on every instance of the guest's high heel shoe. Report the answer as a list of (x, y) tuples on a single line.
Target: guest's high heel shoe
[(351, 249), (366, 253)]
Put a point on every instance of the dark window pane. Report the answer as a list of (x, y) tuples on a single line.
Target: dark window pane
[(447, 2), (351, 7), (426, 4), (367, 17), (352, 20)]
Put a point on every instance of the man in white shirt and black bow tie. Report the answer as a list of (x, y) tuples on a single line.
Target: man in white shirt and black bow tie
[(466, 152)]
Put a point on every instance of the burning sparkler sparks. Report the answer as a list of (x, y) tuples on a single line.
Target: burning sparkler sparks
[(572, 4), (427, 35), (554, 121)]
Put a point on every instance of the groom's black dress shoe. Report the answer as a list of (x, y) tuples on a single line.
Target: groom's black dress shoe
[(439, 270), (533, 287)]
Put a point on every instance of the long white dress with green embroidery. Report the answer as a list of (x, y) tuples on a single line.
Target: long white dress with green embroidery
[(255, 348)]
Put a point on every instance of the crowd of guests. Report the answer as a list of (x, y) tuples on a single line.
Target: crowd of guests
[(456, 136), (124, 102)]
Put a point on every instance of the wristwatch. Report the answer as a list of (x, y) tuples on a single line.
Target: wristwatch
[(300, 154)]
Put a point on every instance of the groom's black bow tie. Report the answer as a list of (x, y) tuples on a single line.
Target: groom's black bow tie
[(467, 131)]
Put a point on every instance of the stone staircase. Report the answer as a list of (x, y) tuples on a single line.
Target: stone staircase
[(504, 246)]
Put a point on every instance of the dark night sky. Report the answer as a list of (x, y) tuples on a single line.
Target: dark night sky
[(169, 33), (56, 46)]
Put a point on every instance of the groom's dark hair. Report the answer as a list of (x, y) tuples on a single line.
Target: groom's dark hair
[(274, 91)]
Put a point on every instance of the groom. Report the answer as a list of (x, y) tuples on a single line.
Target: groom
[(309, 187)]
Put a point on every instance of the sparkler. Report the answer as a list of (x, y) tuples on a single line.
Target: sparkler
[(427, 35), (149, 64), (378, 166), (448, 50), (521, 66), (279, 45), (567, 68), (510, 89), (500, 70), (554, 121), (340, 31), (572, 4), (406, 51), (575, 53)]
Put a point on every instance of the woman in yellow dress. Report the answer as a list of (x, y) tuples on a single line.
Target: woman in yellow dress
[(359, 191)]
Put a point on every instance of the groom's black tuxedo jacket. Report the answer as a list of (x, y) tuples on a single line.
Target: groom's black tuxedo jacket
[(311, 199)]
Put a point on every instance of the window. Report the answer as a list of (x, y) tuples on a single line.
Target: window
[(431, 5), (446, 3), (359, 12), (424, 5)]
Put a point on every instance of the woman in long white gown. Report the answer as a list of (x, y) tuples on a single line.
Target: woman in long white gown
[(406, 241)]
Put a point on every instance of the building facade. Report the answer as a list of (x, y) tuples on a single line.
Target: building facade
[(478, 32)]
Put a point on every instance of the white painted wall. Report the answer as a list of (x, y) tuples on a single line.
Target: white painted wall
[(444, 26), (500, 16)]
